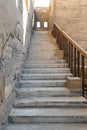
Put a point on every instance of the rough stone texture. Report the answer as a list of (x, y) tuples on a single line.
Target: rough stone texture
[(71, 16), (15, 34), (53, 40), (74, 83), (2, 87), (51, 126), (59, 54)]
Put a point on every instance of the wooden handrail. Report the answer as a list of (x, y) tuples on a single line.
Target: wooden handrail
[(82, 51), (75, 56)]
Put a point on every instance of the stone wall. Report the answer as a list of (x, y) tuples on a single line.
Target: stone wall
[(15, 33), (41, 15), (71, 16), (51, 9)]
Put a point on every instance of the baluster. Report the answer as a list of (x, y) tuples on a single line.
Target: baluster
[(69, 55), (71, 58), (83, 72), (74, 61), (78, 64)]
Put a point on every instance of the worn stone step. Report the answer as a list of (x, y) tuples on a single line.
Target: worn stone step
[(46, 92), (46, 126), (45, 61), (42, 52), (43, 58), (39, 57), (46, 70), (43, 42), (42, 83), (45, 76), (44, 46), (50, 102), (61, 65), (47, 56), (48, 115)]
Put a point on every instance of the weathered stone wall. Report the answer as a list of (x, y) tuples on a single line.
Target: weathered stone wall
[(15, 33), (71, 16)]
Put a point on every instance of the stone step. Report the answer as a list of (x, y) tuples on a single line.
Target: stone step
[(43, 42), (50, 102), (42, 46), (43, 58), (43, 38), (42, 83), (45, 76), (52, 55), (45, 61), (61, 65), (51, 52), (48, 115), (41, 54), (46, 70), (47, 92), (46, 126), (43, 51)]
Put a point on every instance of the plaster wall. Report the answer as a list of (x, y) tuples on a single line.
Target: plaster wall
[(71, 16)]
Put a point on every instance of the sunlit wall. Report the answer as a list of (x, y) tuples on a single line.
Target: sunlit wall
[(42, 3)]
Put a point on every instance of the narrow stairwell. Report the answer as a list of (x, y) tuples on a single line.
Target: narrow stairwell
[(42, 100)]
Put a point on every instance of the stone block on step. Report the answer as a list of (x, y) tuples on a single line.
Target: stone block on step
[(53, 40), (59, 53), (49, 33), (74, 83)]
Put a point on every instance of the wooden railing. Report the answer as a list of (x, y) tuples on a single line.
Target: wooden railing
[(75, 56)]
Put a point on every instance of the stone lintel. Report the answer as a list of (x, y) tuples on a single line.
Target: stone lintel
[(74, 83)]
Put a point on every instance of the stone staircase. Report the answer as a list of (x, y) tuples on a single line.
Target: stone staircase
[(42, 100)]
